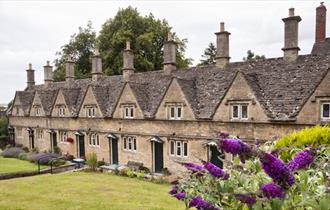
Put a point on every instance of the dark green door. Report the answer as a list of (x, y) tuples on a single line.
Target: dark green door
[(114, 151), (31, 138), (81, 144), (158, 157), (53, 141), (215, 155)]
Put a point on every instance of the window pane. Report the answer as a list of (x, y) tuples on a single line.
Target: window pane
[(172, 112), (129, 143), (178, 148), (134, 143), (172, 148), (235, 111), (125, 143), (97, 140), (126, 112), (326, 109), (132, 112), (185, 149), (179, 112), (244, 111)]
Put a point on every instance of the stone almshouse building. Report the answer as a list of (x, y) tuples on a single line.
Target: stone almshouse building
[(170, 115)]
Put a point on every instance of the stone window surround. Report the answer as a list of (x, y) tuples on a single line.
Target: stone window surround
[(63, 135), (320, 100), (129, 141), (90, 110), (240, 114), (19, 131), (60, 110), (94, 140), (173, 148), (174, 106), (37, 110), (322, 103), (40, 134), (128, 110)]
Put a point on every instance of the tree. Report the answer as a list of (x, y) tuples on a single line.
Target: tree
[(209, 55), (252, 56), (146, 34), (80, 48)]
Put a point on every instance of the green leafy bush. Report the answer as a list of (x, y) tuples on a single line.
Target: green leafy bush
[(92, 161), (100, 163), (312, 136)]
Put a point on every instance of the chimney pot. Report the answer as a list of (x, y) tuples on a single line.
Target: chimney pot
[(291, 12), (222, 27)]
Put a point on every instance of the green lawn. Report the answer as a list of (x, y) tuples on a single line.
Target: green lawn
[(10, 165), (85, 191)]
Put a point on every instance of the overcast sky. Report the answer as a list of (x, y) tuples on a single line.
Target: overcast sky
[(32, 31)]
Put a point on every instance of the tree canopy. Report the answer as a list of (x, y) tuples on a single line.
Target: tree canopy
[(146, 34), (252, 56), (209, 55)]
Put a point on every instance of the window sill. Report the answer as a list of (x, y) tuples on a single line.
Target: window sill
[(65, 143), (94, 146), (178, 158), (130, 151)]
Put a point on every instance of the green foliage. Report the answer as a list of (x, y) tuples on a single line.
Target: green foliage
[(100, 163), (252, 56), (4, 126), (146, 34), (92, 161), (57, 150), (80, 48), (309, 136), (209, 55)]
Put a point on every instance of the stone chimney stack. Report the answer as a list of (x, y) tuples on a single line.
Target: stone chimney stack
[(222, 56), (128, 62), (96, 66), (69, 70), (30, 77), (169, 54), (48, 74), (291, 48), (320, 29)]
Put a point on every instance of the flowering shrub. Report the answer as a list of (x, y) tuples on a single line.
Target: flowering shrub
[(257, 179), (44, 158), (12, 152)]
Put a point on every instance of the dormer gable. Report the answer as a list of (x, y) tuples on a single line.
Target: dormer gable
[(240, 103), (36, 109), (127, 106), (89, 107), (17, 107), (60, 108), (175, 104)]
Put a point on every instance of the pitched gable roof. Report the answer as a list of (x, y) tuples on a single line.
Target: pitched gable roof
[(281, 88), (47, 98), (26, 99)]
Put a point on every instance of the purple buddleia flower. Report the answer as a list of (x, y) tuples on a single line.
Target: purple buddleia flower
[(193, 167), (273, 190), (173, 191), (301, 160), (277, 170), (175, 182), (180, 195), (226, 176), (214, 170), (246, 198), (201, 204), (236, 147)]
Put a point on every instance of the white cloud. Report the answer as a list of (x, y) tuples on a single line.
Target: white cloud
[(32, 31)]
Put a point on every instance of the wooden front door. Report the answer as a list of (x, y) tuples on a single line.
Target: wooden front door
[(113, 150), (215, 155), (53, 141), (158, 157), (80, 146), (31, 139)]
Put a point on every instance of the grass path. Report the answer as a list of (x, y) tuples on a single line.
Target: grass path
[(10, 165), (84, 191)]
